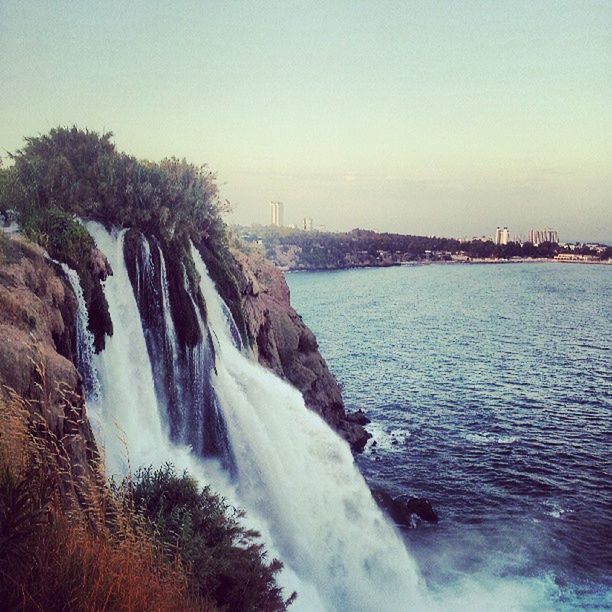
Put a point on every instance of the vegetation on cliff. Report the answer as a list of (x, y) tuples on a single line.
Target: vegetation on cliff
[(83, 174), (70, 173)]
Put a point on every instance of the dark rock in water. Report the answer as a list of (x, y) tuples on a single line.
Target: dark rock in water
[(421, 507), (402, 509), (358, 417), (354, 434)]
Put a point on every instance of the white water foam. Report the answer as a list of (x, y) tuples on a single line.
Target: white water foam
[(489, 438), (294, 470)]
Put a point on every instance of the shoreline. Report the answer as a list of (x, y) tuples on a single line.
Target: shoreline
[(606, 262)]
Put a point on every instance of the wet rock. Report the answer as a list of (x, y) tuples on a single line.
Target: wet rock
[(100, 268), (421, 507), (358, 417), (354, 434), (402, 509)]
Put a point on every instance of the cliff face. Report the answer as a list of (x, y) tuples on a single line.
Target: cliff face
[(283, 343), (37, 315), (37, 322)]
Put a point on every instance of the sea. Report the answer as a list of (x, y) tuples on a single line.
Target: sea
[(489, 389)]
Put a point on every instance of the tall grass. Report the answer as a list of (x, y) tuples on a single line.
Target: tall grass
[(88, 553)]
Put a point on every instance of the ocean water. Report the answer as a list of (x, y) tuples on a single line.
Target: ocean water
[(489, 388)]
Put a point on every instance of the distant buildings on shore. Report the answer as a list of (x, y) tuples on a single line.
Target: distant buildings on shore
[(277, 214), (277, 218), (502, 235), (537, 237)]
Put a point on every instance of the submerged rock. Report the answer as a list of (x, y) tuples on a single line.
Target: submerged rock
[(403, 509)]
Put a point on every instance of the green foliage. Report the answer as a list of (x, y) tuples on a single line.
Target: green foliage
[(59, 234), (71, 173), (228, 565), (82, 173)]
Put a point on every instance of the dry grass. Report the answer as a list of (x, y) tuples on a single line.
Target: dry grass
[(66, 543), (76, 570)]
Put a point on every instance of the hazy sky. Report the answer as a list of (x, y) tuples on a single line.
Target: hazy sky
[(432, 117)]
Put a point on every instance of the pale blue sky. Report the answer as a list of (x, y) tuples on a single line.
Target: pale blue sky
[(423, 117)]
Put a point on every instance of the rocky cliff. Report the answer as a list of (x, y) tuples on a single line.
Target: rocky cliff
[(37, 315), (283, 343)]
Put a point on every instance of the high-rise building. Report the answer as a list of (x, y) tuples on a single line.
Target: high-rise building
[(502, 235), (276, 214), (307, 224), (537, 237)]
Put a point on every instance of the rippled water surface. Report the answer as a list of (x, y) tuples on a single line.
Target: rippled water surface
[(490, 393)]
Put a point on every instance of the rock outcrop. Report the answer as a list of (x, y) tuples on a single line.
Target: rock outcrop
[(403, 509), (37, 323), (283, 343)]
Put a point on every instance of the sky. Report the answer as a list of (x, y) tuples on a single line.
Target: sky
[(424, 117)]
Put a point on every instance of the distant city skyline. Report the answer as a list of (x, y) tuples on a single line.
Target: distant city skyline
[(501, 235), (410, 117)]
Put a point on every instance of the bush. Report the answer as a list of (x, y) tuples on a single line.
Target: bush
[(70, 173), (228, 565), (81, 173)]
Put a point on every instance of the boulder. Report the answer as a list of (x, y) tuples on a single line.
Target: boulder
[(358, 417), (403, 509)]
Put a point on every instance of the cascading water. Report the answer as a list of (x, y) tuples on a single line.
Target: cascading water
[(294, 470), (232, 326), (84, 338), (127, 419), (208, 421), (292, 474)]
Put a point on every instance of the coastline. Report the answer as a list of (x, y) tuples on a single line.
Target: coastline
[(474, 261)]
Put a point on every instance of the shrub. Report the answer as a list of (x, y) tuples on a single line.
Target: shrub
[(82, 173), (228, 564), (70, 173)]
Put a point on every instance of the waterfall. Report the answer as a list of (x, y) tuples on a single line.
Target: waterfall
[(170, 331), (127, 419), (84, 338), (294, 476), (236, 337), (208, 422), (294, 470)]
